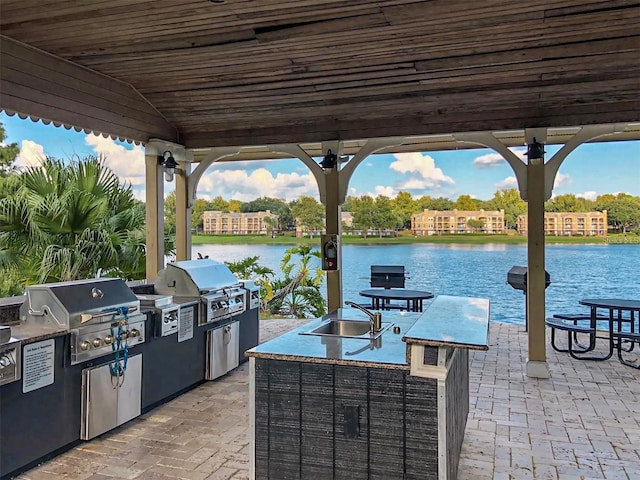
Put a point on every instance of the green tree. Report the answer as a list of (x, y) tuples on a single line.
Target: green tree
[(71, 221), (404, 206), (274, 205), (271, 225), (623, 212), (475, 224), (566, 203), (465, 202), (8, 155), (509, 200), (219, 204), (170, 212), (440, 203), (384, 217), (235, 206), (363, 210), (309, 213), (199, 207)]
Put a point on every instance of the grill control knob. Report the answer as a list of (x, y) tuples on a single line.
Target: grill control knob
[(134, 333), (85, 345), (97, 342), (5, 361), (108, 340)]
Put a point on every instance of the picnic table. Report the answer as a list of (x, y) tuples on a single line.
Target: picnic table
[(622, 318), (381, 298)]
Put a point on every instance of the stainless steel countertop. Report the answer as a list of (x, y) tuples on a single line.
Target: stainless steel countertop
[(33, 333), (458, 322), (388, 351)]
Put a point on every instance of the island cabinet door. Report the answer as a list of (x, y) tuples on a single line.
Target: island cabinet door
[(351, 429), (317, 420)]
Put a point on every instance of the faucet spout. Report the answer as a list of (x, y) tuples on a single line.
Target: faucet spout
[(375, 318)]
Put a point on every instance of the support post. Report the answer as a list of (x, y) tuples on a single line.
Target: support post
[(183, 214), (154, 214), (333, 227), (537, 360)]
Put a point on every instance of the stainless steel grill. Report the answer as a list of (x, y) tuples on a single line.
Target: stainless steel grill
[(9, 356), (102, 315), (220, 293)]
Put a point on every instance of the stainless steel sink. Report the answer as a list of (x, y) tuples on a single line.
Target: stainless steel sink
[(346, 328)]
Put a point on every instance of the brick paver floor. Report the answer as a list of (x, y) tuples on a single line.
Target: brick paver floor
[(582, 423)]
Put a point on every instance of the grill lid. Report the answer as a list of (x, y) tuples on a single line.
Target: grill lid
[(193, 278), (67, 302)]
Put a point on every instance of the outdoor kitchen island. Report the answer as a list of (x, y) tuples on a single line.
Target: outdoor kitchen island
[(331, 401)]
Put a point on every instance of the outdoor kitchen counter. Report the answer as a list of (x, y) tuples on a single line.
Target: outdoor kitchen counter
[(393, 407), (456, 322), (34, 333), (387, 351)]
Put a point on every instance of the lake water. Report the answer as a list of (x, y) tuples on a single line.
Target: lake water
[(576, 271)]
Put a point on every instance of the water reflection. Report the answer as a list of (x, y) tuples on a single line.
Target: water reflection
[(577, 271)]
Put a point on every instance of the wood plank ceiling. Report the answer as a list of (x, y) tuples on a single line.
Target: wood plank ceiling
[(206, 73)]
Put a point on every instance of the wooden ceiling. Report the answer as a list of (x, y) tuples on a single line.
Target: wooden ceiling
[(207, 73)]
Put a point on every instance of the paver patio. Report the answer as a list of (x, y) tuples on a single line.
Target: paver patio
[(582, 423)]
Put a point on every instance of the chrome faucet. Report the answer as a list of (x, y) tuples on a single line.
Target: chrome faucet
[(375, 318)]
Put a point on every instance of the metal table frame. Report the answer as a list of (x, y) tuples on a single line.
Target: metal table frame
[(381, 297), (615, 308)]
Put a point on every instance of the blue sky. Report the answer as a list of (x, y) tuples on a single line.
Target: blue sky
[(591, 170)]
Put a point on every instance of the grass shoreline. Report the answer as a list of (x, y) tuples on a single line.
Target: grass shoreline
[(408, 239)]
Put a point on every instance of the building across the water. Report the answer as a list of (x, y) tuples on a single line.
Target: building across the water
[(587, 224), (232, 223), (439, 222)]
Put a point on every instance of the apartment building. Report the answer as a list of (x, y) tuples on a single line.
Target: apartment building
[(438, 222), (588, 224), (232, 223)]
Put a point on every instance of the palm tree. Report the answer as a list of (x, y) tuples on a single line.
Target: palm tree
[(73, 220), (298, 293)]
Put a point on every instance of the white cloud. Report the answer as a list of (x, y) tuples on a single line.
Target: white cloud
[(591, 195), (509, 182), (246, 186), (31, 154), (561, 180), (495, 159), (128, 164), (423, 173), (386, 191)]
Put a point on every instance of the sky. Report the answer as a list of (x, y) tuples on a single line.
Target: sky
[(589, 171)]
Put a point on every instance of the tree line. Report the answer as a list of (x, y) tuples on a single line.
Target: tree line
[(385, 213)]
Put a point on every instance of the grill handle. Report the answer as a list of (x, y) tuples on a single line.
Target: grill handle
[(85, 317)]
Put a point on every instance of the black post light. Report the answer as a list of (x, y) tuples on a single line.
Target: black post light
[(535, 150), (329, 161), (169, 164)]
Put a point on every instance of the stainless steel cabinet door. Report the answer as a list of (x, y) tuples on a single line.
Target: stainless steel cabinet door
[(130, 391), (110, 401), (99, 402), (222, 350), (233, 347)]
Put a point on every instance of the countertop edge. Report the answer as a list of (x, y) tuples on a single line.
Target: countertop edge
[(326, 361), (442, 343)]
